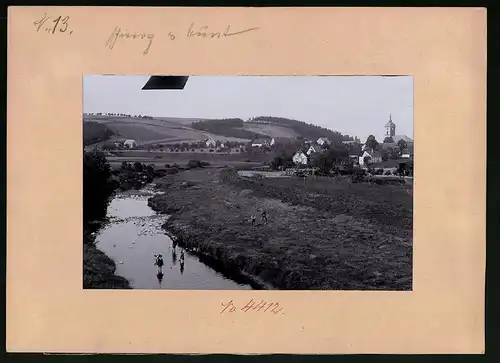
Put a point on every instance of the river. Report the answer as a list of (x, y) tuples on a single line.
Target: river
[(134, 235)]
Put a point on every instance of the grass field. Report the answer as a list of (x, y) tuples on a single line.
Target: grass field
[(158, 130), (159, 159), (324, 234)]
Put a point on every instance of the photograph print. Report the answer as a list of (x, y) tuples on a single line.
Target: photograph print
[(248, 182)]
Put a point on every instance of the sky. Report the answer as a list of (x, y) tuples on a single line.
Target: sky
[(353, 105)]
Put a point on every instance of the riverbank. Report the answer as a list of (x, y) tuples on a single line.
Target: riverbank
[(98, 269), (320, 235)]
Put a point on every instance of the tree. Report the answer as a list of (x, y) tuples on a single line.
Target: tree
[(388, 140), (277, 163), (97, 186), (372, 143), (321, 162), (402, 145), (392, 153), (138, 166), (337, 153)]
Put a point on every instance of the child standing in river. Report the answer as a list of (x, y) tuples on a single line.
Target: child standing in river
[(159, 262)]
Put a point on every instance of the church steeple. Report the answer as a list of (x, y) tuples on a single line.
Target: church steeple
[(390, 128)]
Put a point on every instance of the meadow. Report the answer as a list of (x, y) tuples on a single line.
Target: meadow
[(322, 233)]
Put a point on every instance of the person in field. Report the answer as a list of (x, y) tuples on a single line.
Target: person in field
[(264, 216), (252, 218)]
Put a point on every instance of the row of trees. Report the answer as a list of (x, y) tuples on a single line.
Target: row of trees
[(117, 114), (372, 143)]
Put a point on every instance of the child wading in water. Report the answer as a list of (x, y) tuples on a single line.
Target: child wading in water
[(159, 262)]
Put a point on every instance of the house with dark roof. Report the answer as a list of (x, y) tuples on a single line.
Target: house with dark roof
[(210, 142), (314, 148), (370, 156), (405, 138)]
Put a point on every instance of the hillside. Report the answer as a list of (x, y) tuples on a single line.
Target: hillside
[(95, 132), (153, 131), (268, 127), (167, 130), (308, 131)]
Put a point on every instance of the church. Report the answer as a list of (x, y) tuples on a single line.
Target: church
[(390, 140), (390, 136)]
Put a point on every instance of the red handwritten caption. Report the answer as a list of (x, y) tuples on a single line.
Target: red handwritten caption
[(263, 306), (53, 25)]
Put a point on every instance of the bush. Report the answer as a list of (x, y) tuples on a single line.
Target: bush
[(228, 175), (211, 150), (192, 164), (138, 166), (358, 175)]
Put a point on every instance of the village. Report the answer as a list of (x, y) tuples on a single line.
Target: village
[(284, 156)]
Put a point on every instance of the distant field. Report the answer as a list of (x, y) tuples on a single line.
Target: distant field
[(159, 158), (158, 130)]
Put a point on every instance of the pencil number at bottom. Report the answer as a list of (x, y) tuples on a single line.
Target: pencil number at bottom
[(255, 306)]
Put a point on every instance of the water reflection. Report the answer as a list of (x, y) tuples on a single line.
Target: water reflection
[(174, 256), (159, 276)]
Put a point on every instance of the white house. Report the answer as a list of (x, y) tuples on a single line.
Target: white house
[(210, 143), (300, 158), (323, 140), (406, 154), (260, 143), (372, 157), (314, 149), (130, 143)]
